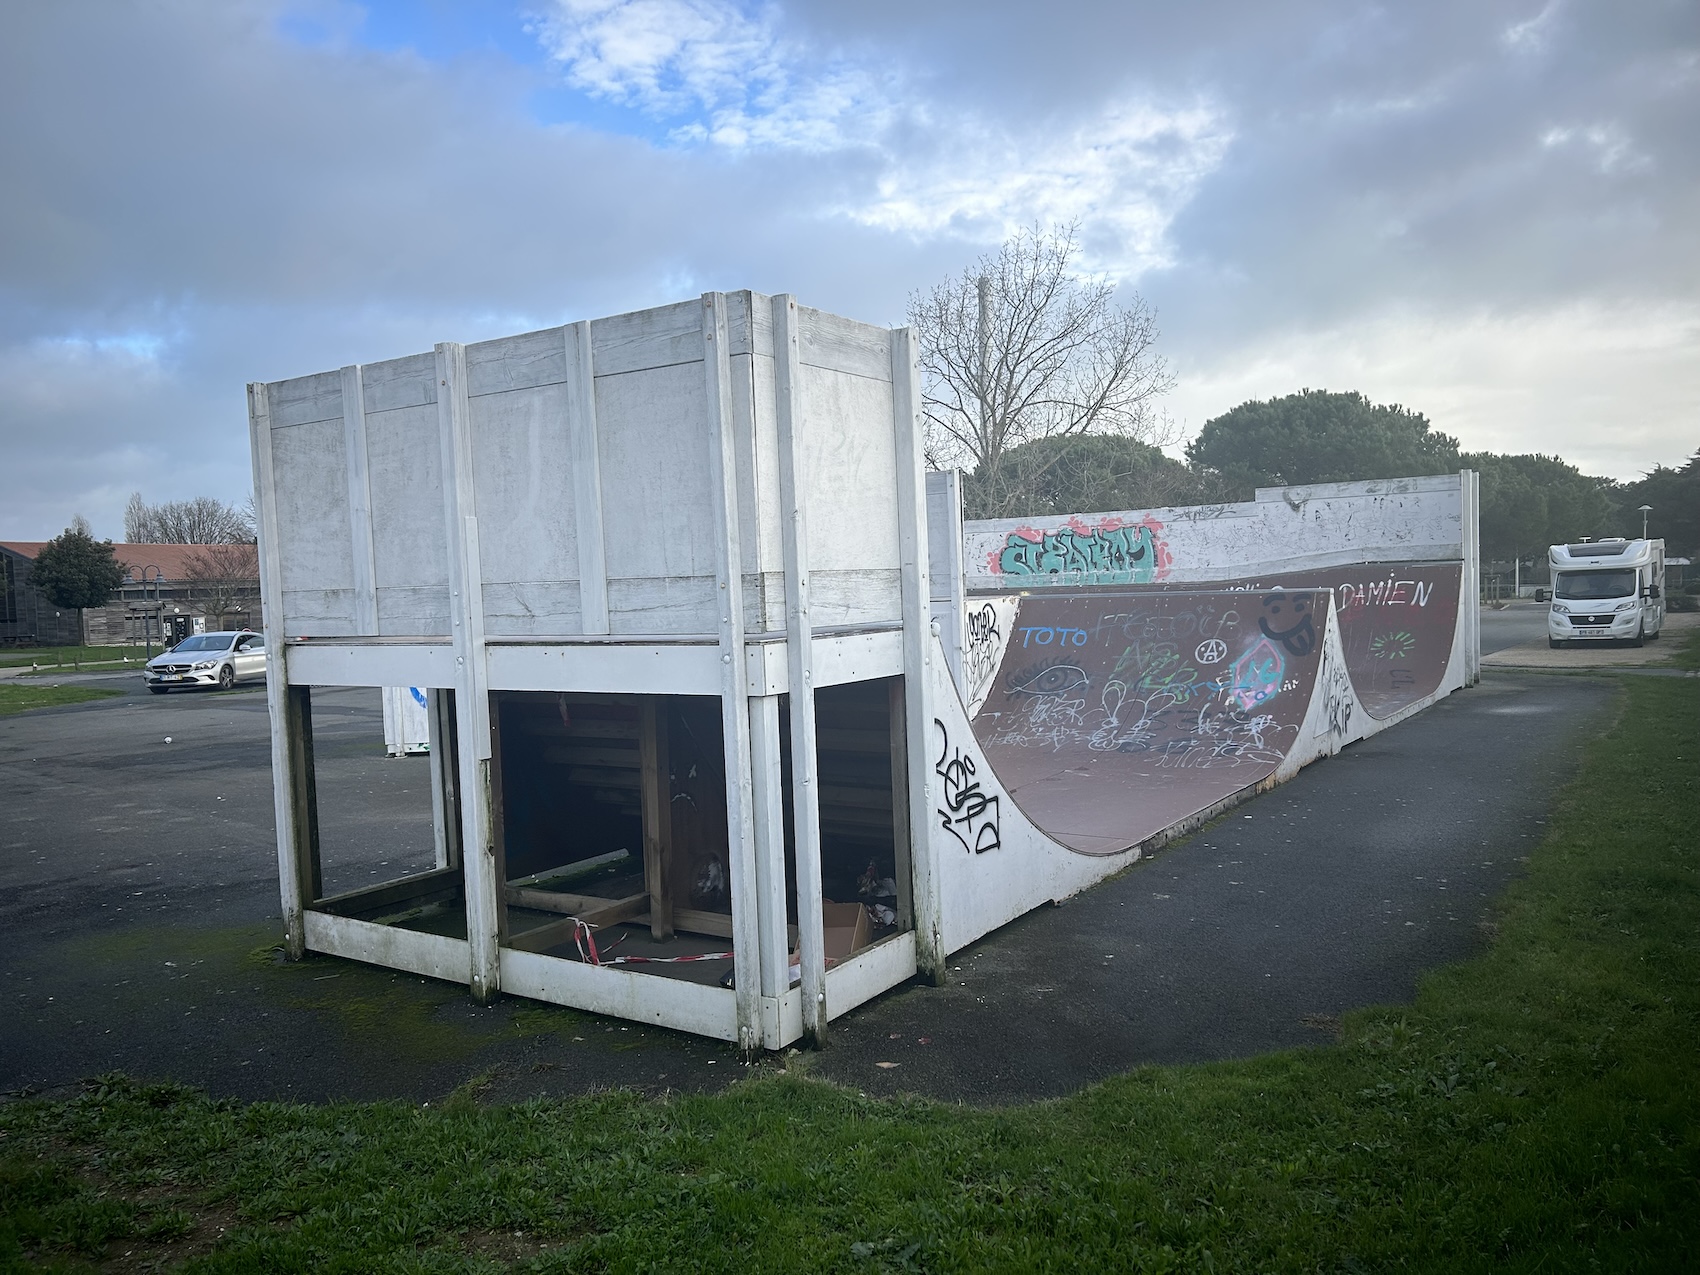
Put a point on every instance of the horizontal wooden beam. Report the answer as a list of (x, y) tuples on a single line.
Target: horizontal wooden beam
[(437, 884), (555, 901), (554, 933)]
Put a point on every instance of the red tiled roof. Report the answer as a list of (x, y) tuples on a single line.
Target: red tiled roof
[(172, 560)]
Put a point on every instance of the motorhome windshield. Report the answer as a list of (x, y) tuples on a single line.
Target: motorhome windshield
[(1589, 586)]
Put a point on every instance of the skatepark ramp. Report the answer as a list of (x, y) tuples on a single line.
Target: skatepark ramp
[(1154, 667), (732, 724)]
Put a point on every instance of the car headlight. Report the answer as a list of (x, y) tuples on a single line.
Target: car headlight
[(206, 664), (1560, 610), (1626, 606)]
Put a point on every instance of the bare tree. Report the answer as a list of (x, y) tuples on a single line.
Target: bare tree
[(203, 520), (1020, 348), (224, 578)]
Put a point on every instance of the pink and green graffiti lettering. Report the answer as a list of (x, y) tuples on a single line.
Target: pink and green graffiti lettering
[(1100, 555)]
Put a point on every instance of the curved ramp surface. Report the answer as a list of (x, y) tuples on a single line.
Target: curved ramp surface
[(1116, 714), (1396, 623)]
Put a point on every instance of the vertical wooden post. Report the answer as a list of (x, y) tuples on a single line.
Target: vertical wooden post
[(944, 566), (445, 806), (654, 769), (359, 500), (769, 812), (918, 648), (479, 859), (1470, 614), (799, 653), (587, 480), (898, 728), (296, 884), (303, 795), (734, 698)]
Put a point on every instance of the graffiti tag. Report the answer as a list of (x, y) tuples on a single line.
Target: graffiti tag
[(1256, 675), (1104, 555), (1044, 636), (980, 653), (1385, 593), (968, 813)]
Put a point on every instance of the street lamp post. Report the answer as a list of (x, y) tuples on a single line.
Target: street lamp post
[(1645, 510)]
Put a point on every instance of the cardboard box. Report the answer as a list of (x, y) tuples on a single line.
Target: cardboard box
[(847, 930)]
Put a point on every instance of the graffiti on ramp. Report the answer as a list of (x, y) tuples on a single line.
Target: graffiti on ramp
[(1114, 715)]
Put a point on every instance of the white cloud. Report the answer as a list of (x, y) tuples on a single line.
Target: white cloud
[(727, 76), (731, 78), (1127, 172), (1609, 145)]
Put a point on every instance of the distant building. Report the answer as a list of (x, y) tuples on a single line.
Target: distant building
[(166, 589)]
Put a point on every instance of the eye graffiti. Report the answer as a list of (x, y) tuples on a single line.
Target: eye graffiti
[(1054, 679), (1286, 619), (1212, 651), (968, 814), (1392, 646)]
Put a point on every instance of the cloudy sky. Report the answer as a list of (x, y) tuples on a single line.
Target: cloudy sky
[(1484, 211)]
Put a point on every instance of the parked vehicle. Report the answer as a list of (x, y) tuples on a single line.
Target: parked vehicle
[(209, 659), (1606, 590)]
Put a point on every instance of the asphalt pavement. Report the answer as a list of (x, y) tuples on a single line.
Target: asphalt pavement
[(1516, 624), (138, 904)]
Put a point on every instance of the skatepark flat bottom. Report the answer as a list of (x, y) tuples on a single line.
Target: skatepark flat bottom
[(1334, 891), (138, 878)]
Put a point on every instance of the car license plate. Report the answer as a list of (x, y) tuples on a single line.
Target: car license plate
[(172, 677)]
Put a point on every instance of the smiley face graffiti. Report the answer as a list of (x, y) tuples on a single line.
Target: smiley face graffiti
[(1287, 619)]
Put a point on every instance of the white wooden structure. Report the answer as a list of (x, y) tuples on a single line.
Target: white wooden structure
[(721, 498)]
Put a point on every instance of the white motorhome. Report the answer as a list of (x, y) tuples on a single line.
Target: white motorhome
[(1606, 590)]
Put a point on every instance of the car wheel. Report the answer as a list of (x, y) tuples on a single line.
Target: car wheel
[(226, 678), (1555, 643), (1640, 638), (159, 690)]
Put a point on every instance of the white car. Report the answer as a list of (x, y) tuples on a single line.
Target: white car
[(209, 659)]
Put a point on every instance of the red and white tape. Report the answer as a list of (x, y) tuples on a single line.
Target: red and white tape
[(584, 939)]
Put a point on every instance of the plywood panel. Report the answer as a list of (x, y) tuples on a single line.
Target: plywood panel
[(855, 597), (523, 477), (414, 611), (660, 337), (532, 608), (516, 362), (658, 516), (405, 464), (408, 382), (844, 345), (668, 604), (315, 552), (849, 463), (319, 612), (305, 399)]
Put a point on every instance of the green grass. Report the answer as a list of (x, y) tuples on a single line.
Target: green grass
[(67, 656), (1536, 1108), (1688, 654), (19, 697)]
